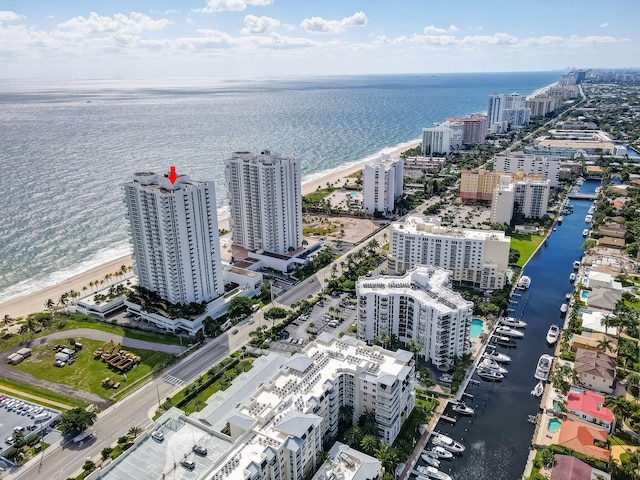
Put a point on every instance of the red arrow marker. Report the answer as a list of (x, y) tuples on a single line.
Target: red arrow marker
[(172, 175)]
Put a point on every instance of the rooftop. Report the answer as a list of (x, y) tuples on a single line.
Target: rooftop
[(591, 403), (419, 225)]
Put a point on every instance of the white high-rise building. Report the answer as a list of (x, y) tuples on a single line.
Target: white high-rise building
[(442, 138), (174, 232), (502, 201), (266, 201), (382, 184), (547, 167), (476, 257), (531, 197), (419, 306), (507, 109)]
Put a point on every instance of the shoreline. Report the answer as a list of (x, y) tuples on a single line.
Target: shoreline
[(34, 302)]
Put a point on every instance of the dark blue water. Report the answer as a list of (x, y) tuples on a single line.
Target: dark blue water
[(498, 436)]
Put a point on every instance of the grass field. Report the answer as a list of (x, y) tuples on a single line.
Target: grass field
[(44, 395), (526, 245), (87, 373)]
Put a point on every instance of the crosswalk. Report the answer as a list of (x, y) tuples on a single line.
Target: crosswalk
[(172, 380)]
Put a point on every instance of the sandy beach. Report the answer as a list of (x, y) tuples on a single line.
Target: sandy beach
[(35, 302)]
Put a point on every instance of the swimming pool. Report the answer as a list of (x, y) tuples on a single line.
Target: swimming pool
[(554, 425), (476, 327), (584, 294)]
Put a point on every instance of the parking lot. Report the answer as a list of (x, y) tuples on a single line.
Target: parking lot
[(22, 416)]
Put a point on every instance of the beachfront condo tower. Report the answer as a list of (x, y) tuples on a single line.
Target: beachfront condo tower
[(382, 184), (266, 202), (174, 232), (419, 306)]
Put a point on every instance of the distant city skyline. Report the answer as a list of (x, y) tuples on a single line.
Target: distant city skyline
[(261, 38)]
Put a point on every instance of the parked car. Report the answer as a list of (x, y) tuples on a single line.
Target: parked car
[(158, 435), (200, 450), (188, 464)]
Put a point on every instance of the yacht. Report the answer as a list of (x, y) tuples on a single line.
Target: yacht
[(564, 307), (432, 472), (524, 282), (462, 409), (492, 365), (560, 219), (592, 210), (552, 334), (509, 332), (544, 367), (585, 232), (588, 218), (538, 389), (504, 341), (440, 452), (440, 440), (576, 265), (568, 296), (497, 356), (513, 322), (430, 459), (490, 375), (572, 277)]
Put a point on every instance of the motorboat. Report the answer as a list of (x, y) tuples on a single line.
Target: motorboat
[(592, 210), (462, 409), (513, 322), (497, 356), (538, 389), (576, 264), (490, 375), (491, 365), (432, 472), (524, 282), (509, 332), (564, 307), (504, 341), (588, 219), (560, 219), (572, 277), (430, 460), (440, 452), (552, 334), (568, 296), (585, 232), (544, 367), (440, 440)]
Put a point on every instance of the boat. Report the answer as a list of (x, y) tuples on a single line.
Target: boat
[(490, 375), (432, 472), (588, 219), (504, 341), (552, 334), (538, 389), (492, 365), (462, 409), (497, 356), (509, 332), (555, 228), (532, 418), (445, 378), (585, 232), (440, 440), (564, 307), (544, 367), (430, 460), (572, 277), (568, 296), (560, 219), (592, 210), (576, 264), (513, 322), (440, 452), (524, 282)]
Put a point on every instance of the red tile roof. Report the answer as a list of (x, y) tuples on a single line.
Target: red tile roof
[(591, 403), (581, 438)]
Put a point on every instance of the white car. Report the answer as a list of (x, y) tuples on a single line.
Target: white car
[(158, 435)]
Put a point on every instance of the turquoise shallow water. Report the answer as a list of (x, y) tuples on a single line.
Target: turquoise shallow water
[(476, 327), (554, 425)]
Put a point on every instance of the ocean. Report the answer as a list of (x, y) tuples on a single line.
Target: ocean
[(66, 149)]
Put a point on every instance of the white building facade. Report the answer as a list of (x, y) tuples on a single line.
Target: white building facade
[(382, 184), (266, 201), (442, 138), (548, 167), (419, 306), (174, 232), (531, 197), (503, 200), (476, 257), (507, 111)]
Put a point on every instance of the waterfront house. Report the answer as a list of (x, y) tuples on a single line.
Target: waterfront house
[(584, 439), (597, 370), (567, 467), (611, 242), (590, 340), (613, 229), (603, 280), (604, 299), (588, 406)]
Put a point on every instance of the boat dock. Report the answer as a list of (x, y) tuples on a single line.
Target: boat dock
[(448, 419)]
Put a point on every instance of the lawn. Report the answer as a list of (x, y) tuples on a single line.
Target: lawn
[(526, 245), (43, 395), (87, 373)]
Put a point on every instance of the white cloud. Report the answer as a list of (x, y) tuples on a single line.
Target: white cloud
[(434, 29), (8, 16), (258, 25), (231, 5), (604, 25), (321, 25), (118, 24)]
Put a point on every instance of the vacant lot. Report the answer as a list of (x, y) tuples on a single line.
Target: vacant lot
[(526, 245), (86, 373)]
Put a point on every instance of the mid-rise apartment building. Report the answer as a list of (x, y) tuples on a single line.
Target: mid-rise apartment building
[(476, 257), (547, 167), (477, 185), (266, 201), (382, 184), (531, 197), (419, 306), (503, 200), (442, 138), (174, 233)]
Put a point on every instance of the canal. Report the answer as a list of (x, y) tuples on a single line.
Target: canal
[(498, 436)]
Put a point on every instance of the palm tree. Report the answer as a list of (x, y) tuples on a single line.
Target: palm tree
[(134, 432), (415, 348), (369, 444), (604, 344), (7, 320), (346, 414), (49, 304), (354, 435), (387, 456)]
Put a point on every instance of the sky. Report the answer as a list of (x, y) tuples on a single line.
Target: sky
[(260, 38)]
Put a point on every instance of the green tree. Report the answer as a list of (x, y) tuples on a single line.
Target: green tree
[(369, 444), (240, 306), (354, 435), (76, 420), (548, 457)]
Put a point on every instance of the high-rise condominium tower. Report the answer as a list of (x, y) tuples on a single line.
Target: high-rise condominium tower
[(266, 201), (174, 231)]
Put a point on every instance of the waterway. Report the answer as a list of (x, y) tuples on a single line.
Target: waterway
[(498, 437)]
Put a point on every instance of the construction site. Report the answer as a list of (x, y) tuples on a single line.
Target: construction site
[(116, 357)]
